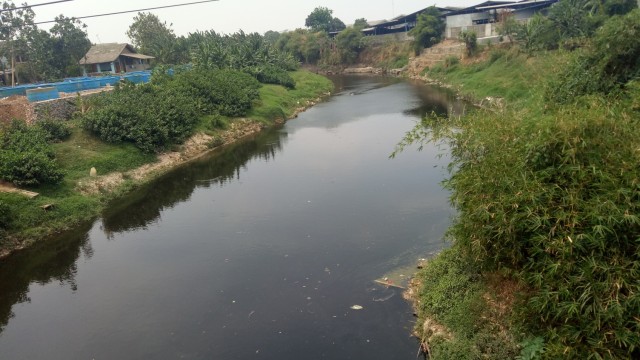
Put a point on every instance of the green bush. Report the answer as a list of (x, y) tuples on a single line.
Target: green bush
[(153, 118), (606, 66), (25, 156), (470, 40), (56, 130), (451, 61), (555, 200), (165, 112), (228, 92), (273, 75)]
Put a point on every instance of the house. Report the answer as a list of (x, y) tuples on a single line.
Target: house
[(483, 18), (114, 58)]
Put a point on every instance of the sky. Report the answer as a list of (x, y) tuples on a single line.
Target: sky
[(225, 16)]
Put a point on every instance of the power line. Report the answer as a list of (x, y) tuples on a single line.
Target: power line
[(30, 6), (130, 11)]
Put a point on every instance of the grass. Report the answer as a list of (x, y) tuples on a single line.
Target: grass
[(82, 151), (278, 103), (455, 302), (506, 74)]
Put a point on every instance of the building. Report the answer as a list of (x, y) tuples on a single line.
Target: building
[(114, 58), (483, 18), (399, 24)]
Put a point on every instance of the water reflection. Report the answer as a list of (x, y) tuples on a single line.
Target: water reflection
[(48, 261), (145, 206)]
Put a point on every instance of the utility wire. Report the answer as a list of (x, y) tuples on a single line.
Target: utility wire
[(130, 11), (30, 6)]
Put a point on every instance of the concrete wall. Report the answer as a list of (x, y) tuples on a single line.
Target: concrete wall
[(483, 30), (457, 23)]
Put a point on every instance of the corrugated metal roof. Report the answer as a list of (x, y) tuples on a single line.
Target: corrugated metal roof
[(104, 53), (521, 4)]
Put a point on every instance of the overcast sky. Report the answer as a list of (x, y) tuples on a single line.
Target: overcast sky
[(225, 16)]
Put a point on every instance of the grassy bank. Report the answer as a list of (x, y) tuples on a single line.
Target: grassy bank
[(28, 222), (545, 261)]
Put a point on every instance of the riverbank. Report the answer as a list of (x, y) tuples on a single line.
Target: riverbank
[(544, 189), (121, 168)]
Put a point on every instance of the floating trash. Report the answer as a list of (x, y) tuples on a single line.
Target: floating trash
[(356, 307)]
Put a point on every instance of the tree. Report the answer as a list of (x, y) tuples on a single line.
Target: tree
[(360, 24), (321, 19), (56, 54), (152, 36), (337, 25), (428, 30), (71, 44), (271, 37), (349, 44), (14, 26)]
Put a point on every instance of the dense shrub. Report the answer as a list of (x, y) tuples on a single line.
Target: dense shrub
[(429, 29), (166, 111), (273, 75), (56, 130), (228, 92), (151, 117), (611, 61), (25, 156), (554, 200)]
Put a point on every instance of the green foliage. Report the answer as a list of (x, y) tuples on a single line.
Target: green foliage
[(470, 41), (553, 199), (321, 19), (532, 349), (304, 45), (360, 24), (250, 53), (451, 61), (278, 103), (452, 296), (570, 19), (26, 158), (228, 92), (151, 118), (428, 30), (56, 131), (349, 43), (55, 54), (165, 112), (6, 216), (273, 75), (611, 62), (537, 34), (151, 36)]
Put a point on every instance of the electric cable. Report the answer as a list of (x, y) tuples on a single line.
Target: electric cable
[(30, 6), (129, 11)]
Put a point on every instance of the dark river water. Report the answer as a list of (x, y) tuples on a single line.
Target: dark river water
[(256, 252)]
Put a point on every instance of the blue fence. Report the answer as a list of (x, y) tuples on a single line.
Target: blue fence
[(72, 85)]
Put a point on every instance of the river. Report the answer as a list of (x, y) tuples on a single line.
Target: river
[(258, 251)]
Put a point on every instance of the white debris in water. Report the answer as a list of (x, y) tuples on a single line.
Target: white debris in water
[(356, 307)]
